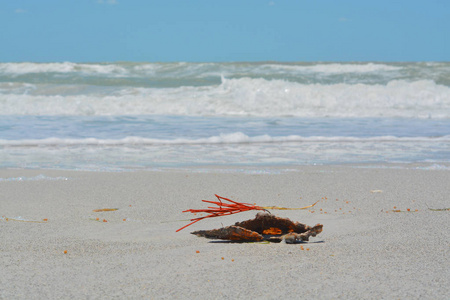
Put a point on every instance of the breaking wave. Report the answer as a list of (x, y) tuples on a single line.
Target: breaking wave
[(232, 138), (233, 97)]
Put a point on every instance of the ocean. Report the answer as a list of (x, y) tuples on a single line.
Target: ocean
[(127, 116)]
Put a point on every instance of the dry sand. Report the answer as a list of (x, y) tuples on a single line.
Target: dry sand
[(363, 252)]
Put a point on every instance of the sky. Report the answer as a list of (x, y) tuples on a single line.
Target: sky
[(224, 31)]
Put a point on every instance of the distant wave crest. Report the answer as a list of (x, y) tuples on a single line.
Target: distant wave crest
[(63, 67), (190, 69), (334, 68)]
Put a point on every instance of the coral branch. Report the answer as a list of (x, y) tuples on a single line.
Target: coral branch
[(225, 209)]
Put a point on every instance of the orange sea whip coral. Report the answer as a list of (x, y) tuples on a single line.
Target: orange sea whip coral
[(225, 209)]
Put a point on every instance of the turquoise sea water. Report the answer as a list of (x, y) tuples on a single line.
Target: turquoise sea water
[(127, 116)]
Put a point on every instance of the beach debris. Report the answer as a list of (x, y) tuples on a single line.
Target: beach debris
[(20, 219), (395, 210), (99, 220), (264, 227), (225, 209), (376, 191), (439, 209), (105, 209)]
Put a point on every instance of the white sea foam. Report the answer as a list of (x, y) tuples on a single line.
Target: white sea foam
[(434, 167), (241, 97), (232, 138), (235, 149), (40, 177)]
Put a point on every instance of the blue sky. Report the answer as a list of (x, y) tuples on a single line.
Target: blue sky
[(214, 30)]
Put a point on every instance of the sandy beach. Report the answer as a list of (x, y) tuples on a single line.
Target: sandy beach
[(366, 250)]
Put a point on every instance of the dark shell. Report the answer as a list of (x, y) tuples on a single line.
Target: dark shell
[(231, 233), (264, 227)]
